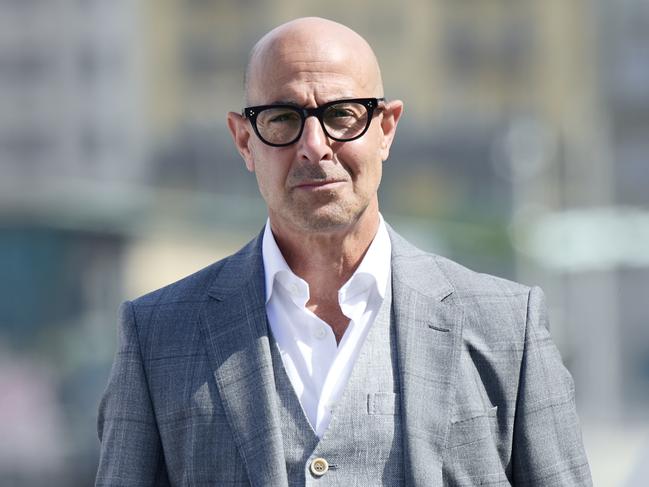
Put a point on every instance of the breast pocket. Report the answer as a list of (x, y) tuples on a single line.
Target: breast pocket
[(383, 403)]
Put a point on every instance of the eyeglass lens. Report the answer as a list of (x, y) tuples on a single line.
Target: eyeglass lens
[(342, 121)]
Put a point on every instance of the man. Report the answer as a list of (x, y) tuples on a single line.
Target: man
[(329, 350)]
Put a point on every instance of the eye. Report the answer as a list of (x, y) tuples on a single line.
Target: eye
[(337, 112), (344, 112), (288, 116), (341, 111)]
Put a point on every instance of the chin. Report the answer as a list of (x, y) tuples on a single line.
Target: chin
[(327, 219)]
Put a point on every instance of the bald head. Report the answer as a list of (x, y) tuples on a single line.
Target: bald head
[(305, 46)]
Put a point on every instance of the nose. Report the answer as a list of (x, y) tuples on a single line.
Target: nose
[(313, 145)]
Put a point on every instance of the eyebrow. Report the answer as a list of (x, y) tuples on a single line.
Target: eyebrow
[(297, 105), (285, 102)]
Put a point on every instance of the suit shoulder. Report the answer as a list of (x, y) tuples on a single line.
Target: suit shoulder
[(495, 309), (428, 269), (463, 281), (467, 282), (192, 288)]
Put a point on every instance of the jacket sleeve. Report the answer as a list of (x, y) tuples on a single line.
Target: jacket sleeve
[(131, 452), (547, 444)]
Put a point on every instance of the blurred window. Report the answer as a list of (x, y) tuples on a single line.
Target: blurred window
[(26, 145), (25, 64)]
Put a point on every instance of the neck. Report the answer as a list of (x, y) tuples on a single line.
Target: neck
[(327, 259)]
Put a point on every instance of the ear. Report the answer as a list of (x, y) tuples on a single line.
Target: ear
[(391, 113), (240, 131)]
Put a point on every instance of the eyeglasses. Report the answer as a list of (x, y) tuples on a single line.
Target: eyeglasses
[(341, 120)]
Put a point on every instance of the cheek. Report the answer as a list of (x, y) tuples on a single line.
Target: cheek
[(271, 169), (364, 161), (267, 179)]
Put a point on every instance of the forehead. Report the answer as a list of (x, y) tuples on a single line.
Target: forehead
[(309, 73)]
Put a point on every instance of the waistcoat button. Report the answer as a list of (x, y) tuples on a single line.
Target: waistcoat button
[(319, 467)]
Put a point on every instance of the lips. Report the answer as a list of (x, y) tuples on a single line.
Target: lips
[(326, 183)]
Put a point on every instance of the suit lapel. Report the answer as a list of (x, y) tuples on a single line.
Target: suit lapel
[(235, 327), (429, 332)]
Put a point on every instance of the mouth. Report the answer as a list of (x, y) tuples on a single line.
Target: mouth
[(320, 184)]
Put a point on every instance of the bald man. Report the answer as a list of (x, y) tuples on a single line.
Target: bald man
[(329, 350)]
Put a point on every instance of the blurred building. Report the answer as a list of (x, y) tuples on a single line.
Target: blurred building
[(70, 129), (70, 91)]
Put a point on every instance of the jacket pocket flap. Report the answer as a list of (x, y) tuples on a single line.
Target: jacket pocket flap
[(461, 416), (383, 403)]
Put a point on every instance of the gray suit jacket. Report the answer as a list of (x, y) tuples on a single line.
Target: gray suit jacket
[(484, 397)]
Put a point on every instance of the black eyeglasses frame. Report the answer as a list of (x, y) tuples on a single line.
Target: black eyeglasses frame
[(371, 104)]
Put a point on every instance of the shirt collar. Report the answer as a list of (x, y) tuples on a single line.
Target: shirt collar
[(274, 262), (373, 269)]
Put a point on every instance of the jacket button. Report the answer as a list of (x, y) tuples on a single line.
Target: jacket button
[(319, 467)]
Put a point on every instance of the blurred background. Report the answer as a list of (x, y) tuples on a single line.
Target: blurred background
[(523, 152)]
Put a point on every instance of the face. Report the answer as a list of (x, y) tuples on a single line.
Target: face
[(316, 184)]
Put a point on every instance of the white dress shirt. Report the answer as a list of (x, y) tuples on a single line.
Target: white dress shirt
[(316, 365)]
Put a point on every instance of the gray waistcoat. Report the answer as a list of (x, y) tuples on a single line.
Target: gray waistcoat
[(363, 443)]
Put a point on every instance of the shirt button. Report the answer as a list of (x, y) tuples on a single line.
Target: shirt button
[(319, 467), (321, 332), (294, 289)]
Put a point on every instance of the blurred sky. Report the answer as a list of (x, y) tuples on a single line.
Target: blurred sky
[(523, 152)]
